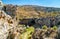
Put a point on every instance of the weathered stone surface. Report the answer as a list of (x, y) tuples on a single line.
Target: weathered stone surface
[(6, 23)]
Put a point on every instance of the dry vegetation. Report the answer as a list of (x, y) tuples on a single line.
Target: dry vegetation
[(27, 32), (31, 11)]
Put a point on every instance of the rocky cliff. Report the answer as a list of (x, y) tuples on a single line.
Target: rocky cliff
[(6, 23)]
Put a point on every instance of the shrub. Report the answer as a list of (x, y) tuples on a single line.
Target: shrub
[(55, 28), (44, 27), (28, 33)]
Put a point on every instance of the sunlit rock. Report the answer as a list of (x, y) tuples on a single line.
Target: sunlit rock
[(5, 25)]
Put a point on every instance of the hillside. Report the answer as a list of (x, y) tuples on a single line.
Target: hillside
[(42, 23), (49, 15), (31, 11)]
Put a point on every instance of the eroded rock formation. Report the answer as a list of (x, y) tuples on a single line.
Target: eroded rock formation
[(6, 23)]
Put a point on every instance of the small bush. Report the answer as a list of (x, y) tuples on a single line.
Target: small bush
[(55, 28), (44, 27), (28, 33)]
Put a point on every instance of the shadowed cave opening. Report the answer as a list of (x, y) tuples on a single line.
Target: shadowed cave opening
[(58, 23)]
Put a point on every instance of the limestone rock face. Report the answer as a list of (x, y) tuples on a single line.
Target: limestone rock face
[(6, 23)]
